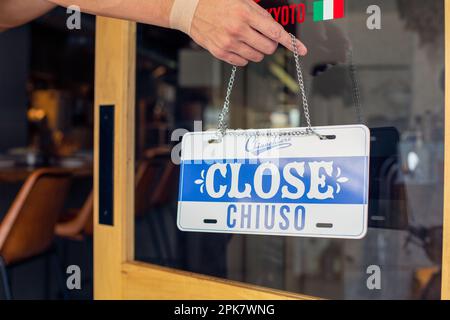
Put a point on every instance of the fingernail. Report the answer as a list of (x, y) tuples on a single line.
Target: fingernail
[(302, 49)]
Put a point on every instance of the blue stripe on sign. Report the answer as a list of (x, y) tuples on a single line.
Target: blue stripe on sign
[(348, 181)]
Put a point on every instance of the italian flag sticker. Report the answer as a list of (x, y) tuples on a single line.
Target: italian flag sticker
[(328, 9)]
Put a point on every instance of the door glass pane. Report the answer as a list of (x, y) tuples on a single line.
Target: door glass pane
[(382, 64)]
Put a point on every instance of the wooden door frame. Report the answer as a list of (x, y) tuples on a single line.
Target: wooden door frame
[(445, 292), (116, 274)]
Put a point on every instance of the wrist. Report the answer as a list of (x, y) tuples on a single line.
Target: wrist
[(182, 14)]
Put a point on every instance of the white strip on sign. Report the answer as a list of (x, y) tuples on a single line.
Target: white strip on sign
[(328, 9), (278, 184)]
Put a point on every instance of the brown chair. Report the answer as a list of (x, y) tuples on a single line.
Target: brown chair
[(167, 186), (146, 174), (149, 177), (80, 224), (27, 230), (162, 195), (76, 225), (155, 172), (156, 186)]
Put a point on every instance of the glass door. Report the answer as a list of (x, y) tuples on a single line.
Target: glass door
[(381, 64)]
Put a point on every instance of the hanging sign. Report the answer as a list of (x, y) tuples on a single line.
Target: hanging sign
[(274, 182)]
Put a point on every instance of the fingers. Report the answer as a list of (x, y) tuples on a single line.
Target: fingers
[(252, 47), (247, 52), (286, 41), (261, 43), (237, 53), (228, 57), (248, 33)]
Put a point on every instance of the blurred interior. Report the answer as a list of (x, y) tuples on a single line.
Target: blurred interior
[(391, 79), (46, 100)]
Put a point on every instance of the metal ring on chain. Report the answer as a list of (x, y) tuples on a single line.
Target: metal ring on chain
[(223, 117)]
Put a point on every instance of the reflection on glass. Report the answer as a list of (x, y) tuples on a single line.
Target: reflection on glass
[(389, 79)]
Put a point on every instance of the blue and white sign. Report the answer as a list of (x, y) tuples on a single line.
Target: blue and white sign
[(276, 185)]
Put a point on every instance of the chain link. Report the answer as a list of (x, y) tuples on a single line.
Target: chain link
[(302, 92), (223, 121), (355, 86), (223, 117)]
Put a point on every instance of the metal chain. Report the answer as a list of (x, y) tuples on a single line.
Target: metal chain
[(223, 117), (355, 85), (223, 121), (302, 92)]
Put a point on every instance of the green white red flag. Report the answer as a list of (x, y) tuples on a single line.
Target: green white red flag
[(328, 9)]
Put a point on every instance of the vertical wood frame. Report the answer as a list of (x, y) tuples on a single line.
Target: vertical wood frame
[(445, 292), (116, 274), (115, 56)]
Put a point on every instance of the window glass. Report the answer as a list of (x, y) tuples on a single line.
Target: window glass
[(381, 64)]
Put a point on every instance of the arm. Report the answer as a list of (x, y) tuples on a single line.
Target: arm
[(236, 31), (14, 13)]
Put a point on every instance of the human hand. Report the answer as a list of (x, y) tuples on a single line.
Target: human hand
[(238, 31)]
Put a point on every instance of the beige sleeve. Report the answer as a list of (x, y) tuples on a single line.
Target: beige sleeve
[(182, 14)]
